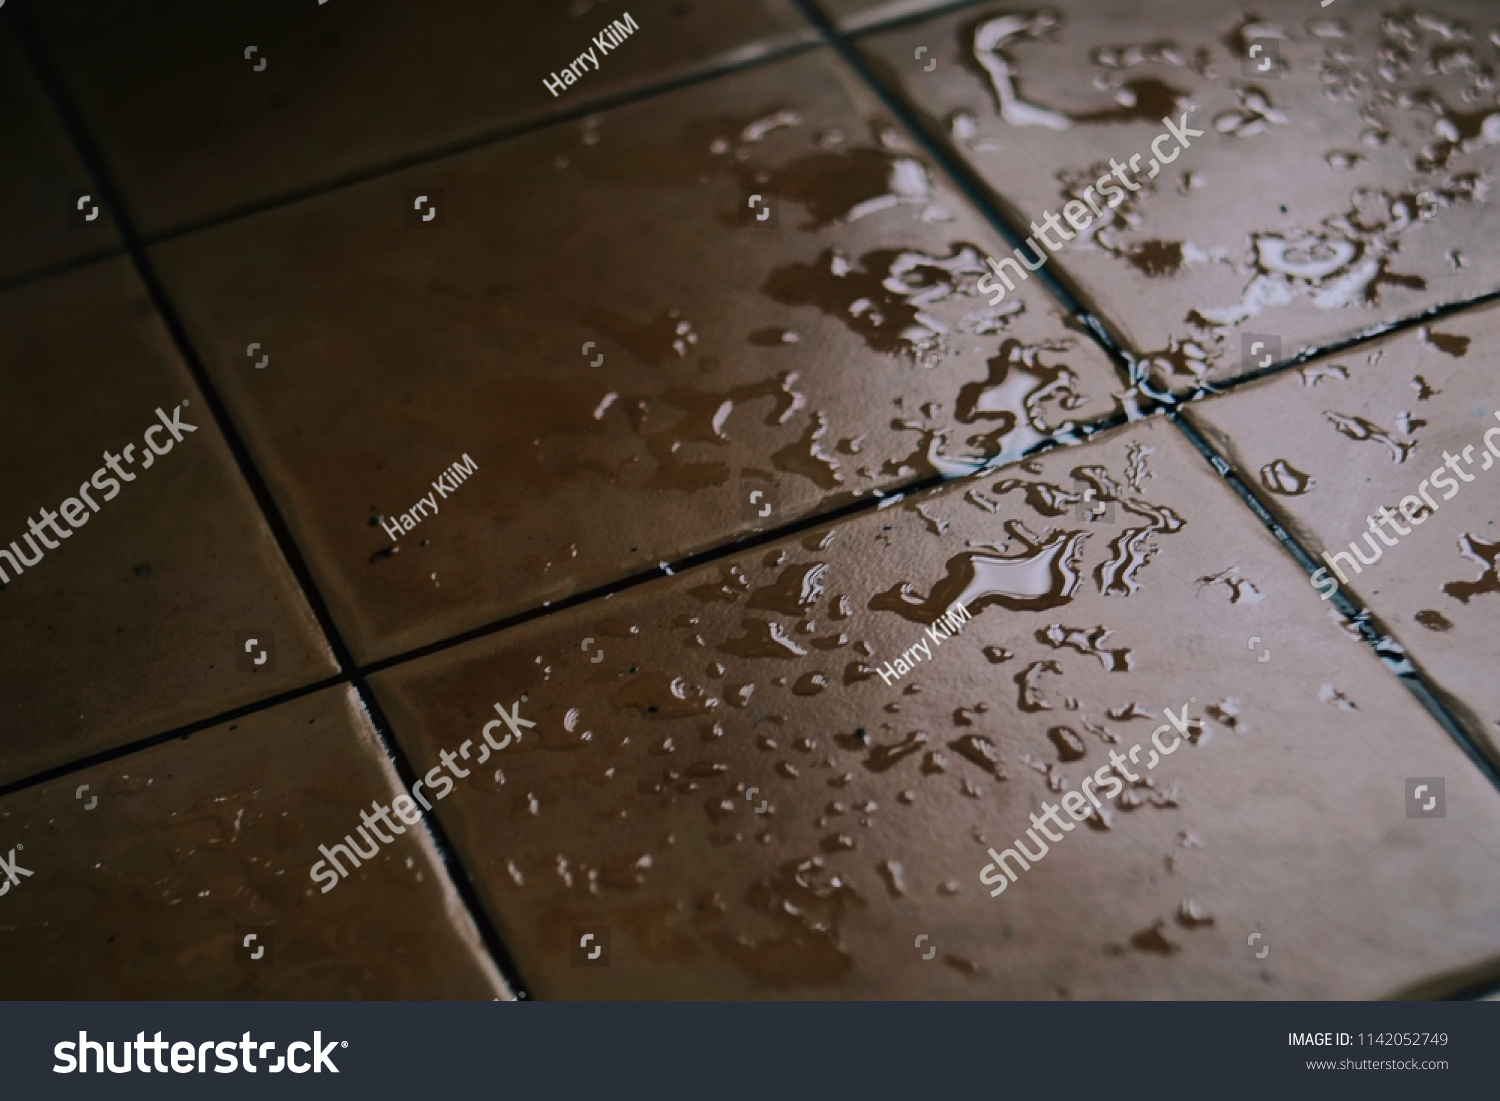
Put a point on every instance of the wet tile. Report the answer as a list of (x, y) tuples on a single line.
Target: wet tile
[(1344, 185), (148, 874), (1333, 444), (290, 96), (719, 779), (639, 335), (130, 624), (49, 210)]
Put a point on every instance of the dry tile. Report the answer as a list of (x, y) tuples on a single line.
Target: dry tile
[(128, 625), (147, 874), (41, 181), (291, 96)]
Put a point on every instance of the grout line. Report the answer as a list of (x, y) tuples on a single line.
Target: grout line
[(1392, 655), (80, 138), (968, 181), (896, 22), (62, 267), (1387, 648), (114, 754), (870, 502), (965, 178), (715, 553), (1338, 347), (873, 502), (493, 136)]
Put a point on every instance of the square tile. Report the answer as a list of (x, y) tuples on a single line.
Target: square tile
[(126, 625), (197, 857), (1331, 445), (789, 779), (49, 209), (1345, 186), (336, 89), (594, 366)]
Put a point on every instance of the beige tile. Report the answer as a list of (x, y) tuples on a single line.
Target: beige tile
[(127, 626), (1330, 445), (1350, 190), (41, 181), (344, 88), (627, 361), (753, 813), (193, 844)]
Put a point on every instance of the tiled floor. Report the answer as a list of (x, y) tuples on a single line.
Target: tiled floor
[(661, 416)]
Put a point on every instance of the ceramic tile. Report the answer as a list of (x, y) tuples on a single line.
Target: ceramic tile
[(339, 89), (628, 361), (1339, 178), (127, 625), (147, 882), (42, 183), (720, 778), (1331, 445)]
